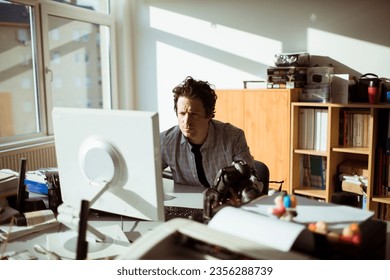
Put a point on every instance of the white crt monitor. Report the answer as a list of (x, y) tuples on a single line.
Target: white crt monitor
[(110, 158)]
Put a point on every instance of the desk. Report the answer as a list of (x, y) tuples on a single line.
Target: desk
[(174, 195), (181, 195)]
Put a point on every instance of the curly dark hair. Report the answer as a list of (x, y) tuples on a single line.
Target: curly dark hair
[(196, 89)]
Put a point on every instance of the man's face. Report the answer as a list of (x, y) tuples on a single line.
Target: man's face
[(192, 119)]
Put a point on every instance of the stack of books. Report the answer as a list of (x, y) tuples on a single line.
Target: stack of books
[(286, 77), (8, 182)]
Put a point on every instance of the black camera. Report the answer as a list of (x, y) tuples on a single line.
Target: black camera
[(234, 185)]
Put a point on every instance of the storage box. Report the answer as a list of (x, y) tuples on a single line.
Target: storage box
[(352, 167), (352, 187), (315, 93), (319, 75), (340, 88), (36, 187)]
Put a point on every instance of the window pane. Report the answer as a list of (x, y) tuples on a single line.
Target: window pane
[(75, 63), (18, 94), (96, 5)]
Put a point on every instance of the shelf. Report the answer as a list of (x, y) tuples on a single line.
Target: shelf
[(374, 130), (310, 152), (311, 192), (349, 105), (352, 150), (382, 199)]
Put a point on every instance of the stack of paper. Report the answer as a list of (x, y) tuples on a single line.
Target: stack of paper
[(12, 232)]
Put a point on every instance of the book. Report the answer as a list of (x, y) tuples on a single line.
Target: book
[(313, 171), (324, 129), (317, 172), (358, 125), (302, 129), (11, 232), (317, 129), (8, 182), (310, 128), (354, 127), (388, 136), (366, 130)]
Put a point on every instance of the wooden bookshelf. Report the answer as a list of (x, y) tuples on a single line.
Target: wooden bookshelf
[(335, 153)]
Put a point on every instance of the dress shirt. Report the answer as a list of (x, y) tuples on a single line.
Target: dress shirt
[(224, 144)]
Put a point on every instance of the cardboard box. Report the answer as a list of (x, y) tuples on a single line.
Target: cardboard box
[(352, 187), (352, 167)]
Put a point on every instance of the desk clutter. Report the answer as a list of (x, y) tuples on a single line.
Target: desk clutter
[(253, 232), (231, 225), (27, 223)]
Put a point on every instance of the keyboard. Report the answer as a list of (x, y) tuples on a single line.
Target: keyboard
[(172, 212)]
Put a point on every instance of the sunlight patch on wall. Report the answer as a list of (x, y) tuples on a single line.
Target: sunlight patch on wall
[(361, 56), (200, 68), (244, 44)]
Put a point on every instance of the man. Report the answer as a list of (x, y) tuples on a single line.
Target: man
[(198, 147)]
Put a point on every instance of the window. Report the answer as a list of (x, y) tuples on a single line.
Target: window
[(96, 5), (19, 111), (68, 64)]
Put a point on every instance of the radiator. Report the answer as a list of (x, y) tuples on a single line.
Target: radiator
[(38, 156)]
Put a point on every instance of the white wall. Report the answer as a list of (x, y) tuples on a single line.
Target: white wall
[(227, 42)]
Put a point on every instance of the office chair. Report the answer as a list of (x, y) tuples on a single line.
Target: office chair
[(262, 172)]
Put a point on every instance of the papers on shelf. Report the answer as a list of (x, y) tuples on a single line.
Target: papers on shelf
[(355, 179)]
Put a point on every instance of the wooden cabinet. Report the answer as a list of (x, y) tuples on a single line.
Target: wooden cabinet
[(264, 115), (337, 151)]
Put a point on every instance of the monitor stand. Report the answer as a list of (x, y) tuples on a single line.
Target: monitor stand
[(83, 244)]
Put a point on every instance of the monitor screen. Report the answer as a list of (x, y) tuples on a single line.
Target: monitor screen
[(116, 149)]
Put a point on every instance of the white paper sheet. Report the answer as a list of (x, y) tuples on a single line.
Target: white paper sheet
[(268, 231), (311, 211)]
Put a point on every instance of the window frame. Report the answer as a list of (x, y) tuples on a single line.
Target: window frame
[(41, 10)]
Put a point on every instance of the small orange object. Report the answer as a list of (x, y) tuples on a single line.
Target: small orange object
[(293, 201)]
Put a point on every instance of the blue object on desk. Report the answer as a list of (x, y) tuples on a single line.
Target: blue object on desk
[(36, 187)]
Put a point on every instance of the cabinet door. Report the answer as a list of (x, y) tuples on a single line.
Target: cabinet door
[(229, 107), (267, 128)]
